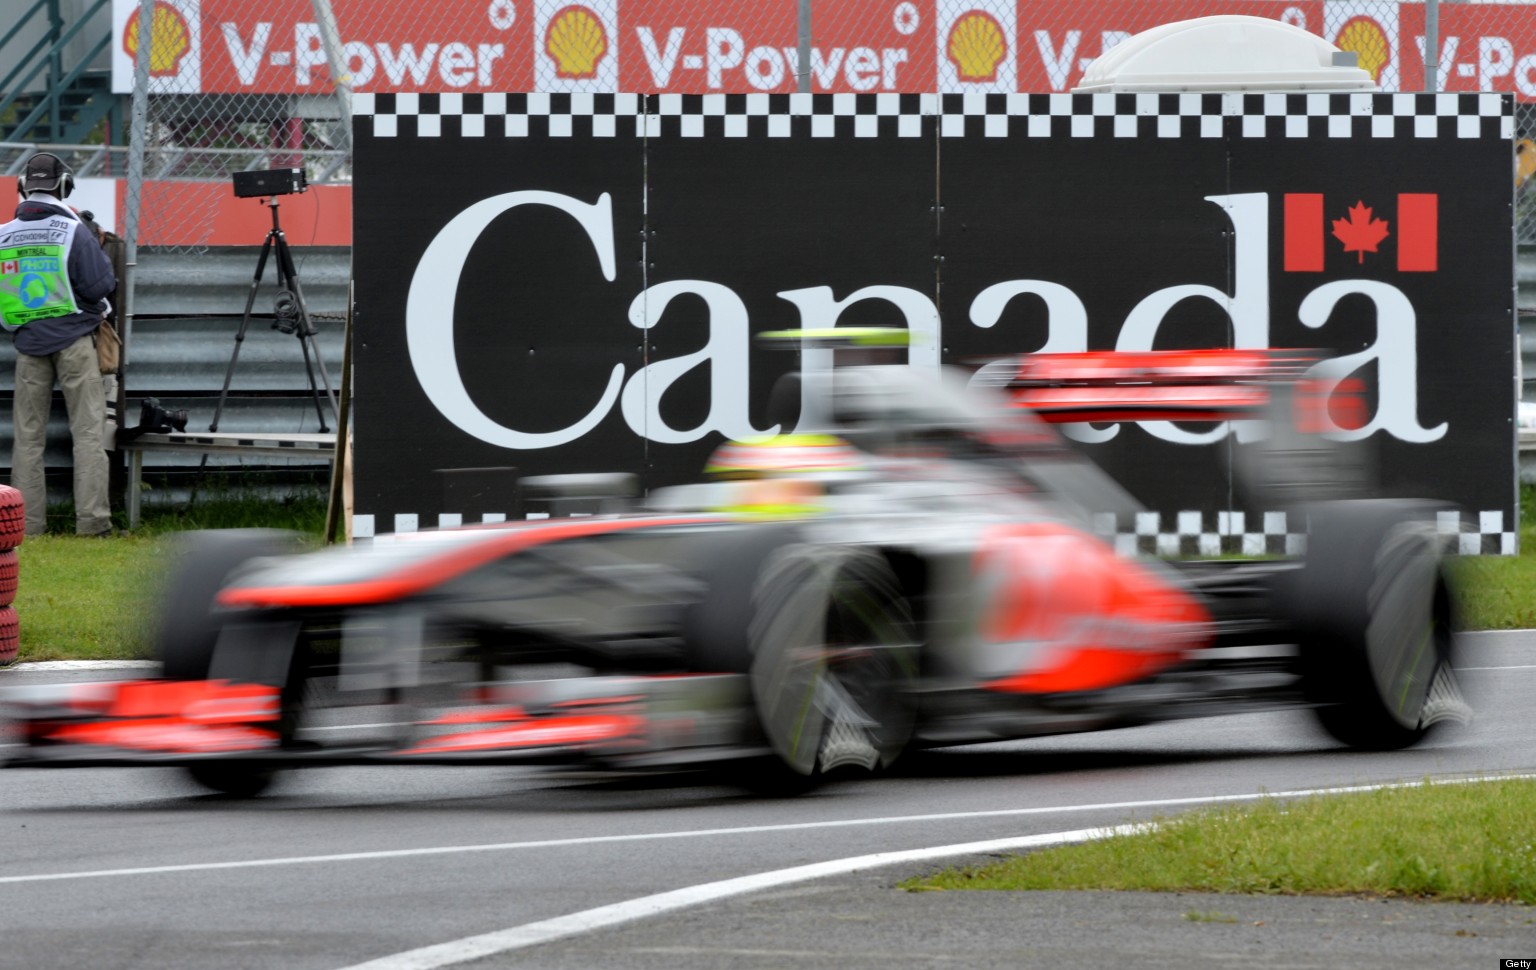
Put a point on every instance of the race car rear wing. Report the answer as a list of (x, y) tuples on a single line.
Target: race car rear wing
[(1170, 385), (1302, 455)]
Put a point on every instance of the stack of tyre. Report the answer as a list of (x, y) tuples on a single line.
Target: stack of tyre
[(13, 528)]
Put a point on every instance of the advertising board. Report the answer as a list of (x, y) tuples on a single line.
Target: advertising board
[(726, 46), (575, 280)]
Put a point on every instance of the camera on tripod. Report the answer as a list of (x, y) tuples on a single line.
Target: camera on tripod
[(273, 181)]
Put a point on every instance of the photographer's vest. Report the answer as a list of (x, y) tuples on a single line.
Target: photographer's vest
[(34, 270)]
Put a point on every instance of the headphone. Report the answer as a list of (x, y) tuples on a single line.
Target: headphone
[(66, 181)]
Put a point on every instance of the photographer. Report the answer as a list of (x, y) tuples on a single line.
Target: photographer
[(54, 282)]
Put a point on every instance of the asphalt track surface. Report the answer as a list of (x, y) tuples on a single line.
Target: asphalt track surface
[(390, 868)]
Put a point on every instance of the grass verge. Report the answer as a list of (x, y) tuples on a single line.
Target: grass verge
[(1472, 842), (95, 599)]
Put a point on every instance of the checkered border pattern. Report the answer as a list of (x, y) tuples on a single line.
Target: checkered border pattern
[(1228, 115), (1146, 115), (1194, 533), (1142, 534)]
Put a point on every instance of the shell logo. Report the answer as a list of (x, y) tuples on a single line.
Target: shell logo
[(977, 45), (1369, 42), (169, 39), (577, 41)]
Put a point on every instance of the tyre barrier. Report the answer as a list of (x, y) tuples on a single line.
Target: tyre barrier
[(8, 570), (13, 518), (13, 529), (10, 634)]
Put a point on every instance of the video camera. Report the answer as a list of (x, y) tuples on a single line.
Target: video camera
[(273, 181)]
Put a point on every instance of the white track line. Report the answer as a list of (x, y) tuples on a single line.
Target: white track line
[(545, 931), (712, 833)]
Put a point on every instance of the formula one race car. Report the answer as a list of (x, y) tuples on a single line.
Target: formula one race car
[(927, 576)]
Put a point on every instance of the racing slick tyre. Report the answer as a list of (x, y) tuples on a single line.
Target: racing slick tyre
[(8, 577), (1374, 619), (188, 630), (834, 652), (13, 517), (715, 628)]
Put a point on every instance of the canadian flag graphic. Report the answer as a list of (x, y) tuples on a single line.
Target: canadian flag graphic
[(1360, 229), (9, 267)]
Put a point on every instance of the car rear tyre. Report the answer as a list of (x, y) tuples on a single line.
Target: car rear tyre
[(1374, 619), (834, 654)]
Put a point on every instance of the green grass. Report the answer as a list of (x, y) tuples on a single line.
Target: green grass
[(95, 599), (1466, 842)]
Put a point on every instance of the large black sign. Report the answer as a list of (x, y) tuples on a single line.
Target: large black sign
[(564, 283)]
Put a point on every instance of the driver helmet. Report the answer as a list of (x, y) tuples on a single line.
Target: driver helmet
[(781, 475)]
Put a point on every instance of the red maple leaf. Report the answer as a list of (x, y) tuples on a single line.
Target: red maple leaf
[(1361, 233)]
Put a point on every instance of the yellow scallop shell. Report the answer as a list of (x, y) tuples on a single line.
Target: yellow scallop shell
[(576, 40), (977, 46), (169, 39), (1369, 42)]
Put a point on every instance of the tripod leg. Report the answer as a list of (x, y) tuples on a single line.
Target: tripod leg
[(245, 323), (289, 277), (314, 390)]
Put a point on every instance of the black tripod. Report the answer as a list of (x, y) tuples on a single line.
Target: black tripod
[(291, 316)]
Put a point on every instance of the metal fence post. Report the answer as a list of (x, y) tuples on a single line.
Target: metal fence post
[(1431, 45), (803, 68), (135, 186)]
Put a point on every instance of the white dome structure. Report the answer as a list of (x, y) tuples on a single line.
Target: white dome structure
[(1225, 53)]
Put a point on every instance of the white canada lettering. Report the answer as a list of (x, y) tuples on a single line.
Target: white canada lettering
[(819, 308), (1395, 353), (726, 353), (429, 315), (1066, 331), (246, 59), (430, 301), (1248, 306)]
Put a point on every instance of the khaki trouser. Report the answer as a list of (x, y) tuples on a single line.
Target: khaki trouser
[(79, 374)]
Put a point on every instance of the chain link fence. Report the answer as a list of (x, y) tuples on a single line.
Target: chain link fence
[(231, 85)]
